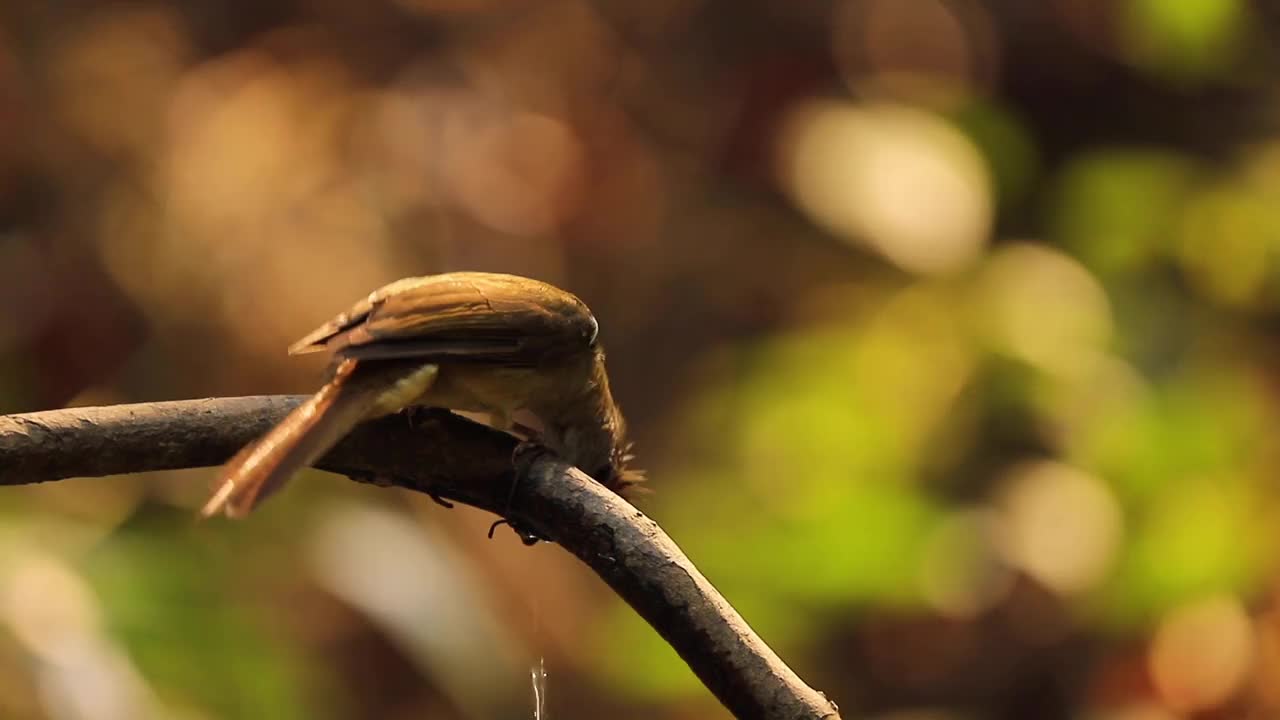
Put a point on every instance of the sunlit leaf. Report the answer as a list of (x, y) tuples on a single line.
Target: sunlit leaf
[(1115, 209), (1186, 40)]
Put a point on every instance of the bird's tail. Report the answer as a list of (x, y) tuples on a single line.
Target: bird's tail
[(354, 393)]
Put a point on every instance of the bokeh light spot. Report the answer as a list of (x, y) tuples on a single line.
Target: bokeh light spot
[(1229, 235), (1060, 525), (1044, 308), (1115, 209), (1186, 40), (901, 181), (961, 574), (1202, 652), (890, 43), (520, 173)]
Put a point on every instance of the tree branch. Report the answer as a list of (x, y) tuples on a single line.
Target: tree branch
[(447, 456)]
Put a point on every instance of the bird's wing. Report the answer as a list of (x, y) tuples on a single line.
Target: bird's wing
[(459, 317), (354, 393)]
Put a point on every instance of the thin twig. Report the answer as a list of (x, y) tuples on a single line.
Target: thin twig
[(445, 456)]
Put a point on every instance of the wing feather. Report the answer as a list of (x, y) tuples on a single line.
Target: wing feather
[(353, 394), (460, 317)]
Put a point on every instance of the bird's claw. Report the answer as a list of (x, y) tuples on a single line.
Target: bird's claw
[(525, 454), (522, 459), (528, 537)]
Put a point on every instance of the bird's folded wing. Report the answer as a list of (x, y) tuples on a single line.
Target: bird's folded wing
[(355, 392), (459, 317)]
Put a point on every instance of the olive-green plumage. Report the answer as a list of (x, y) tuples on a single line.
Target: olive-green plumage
[(479, 342)]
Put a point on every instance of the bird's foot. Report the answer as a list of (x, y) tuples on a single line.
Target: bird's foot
[(527, 536), (525, 454), (522, 459)]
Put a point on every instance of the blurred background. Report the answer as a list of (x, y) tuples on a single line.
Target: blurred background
[(948, 330)]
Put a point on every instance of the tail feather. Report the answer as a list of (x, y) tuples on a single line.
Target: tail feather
[(305, 434)]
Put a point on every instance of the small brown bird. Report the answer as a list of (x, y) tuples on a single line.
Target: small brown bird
[(479, 342)]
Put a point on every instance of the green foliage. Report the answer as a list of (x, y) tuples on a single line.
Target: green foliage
[(1195, 539), (818, 502), (1116, 209), (1187, 40), (1007, 146), (165, 594)]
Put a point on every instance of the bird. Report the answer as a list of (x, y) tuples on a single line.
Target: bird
[(471, 341)]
